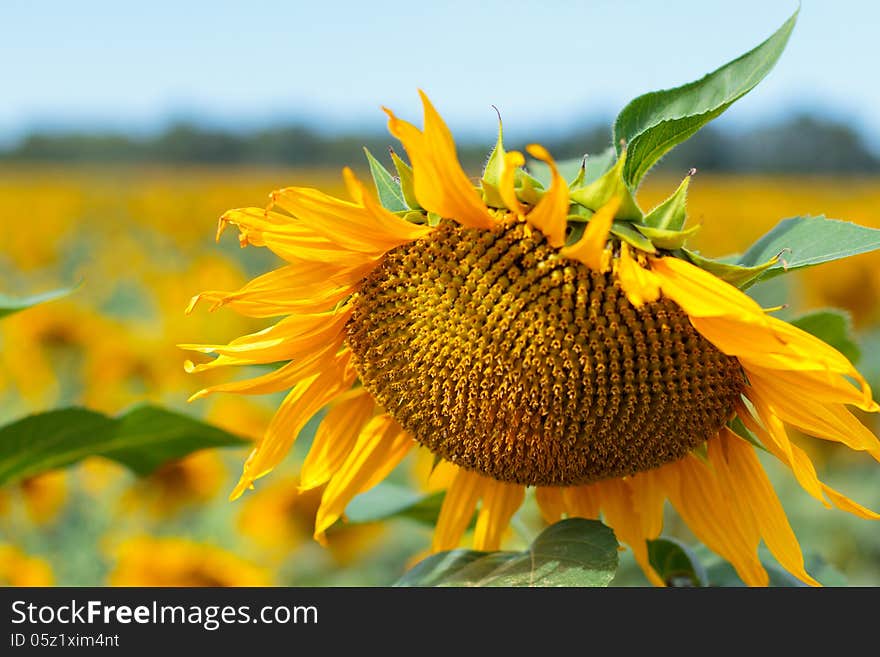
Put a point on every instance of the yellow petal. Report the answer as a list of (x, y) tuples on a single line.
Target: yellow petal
[(306, 399), (500, 502), (351, 225), (513, 160), (582, 501), (286, 376), (550, 215), (702, 294), (796, 459), (639, 284), (551, 503), (624, 518), (771, 432), (335, 438), (845, 504), (293, 338), (588, 249), (754, 488), (291, 239), (649, 498), (699, 498), (829, 421), (458, 509), (824, 386), (287, 290), (380, 447), (441, 185)]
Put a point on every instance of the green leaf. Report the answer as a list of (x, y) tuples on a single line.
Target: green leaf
[(833, 327), (10, 305), (807, 241), (388, 501), (142, 439), (676, 563), (737, 275), (390, 194), (572, 552), (655, 122)]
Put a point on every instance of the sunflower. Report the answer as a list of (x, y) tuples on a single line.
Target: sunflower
[(19, 569), (530, 337), (171, 561)]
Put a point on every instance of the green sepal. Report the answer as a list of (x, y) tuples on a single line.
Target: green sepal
[(491, 179), (434, 219), (599, 165), (736, 275), (414, 216), (578, 180), (611, 184), (667, 239), (575, 232), (390, 194), (528, 188), (569, 169), (405, 175), (671, 214), (736, 425), (625, 231)]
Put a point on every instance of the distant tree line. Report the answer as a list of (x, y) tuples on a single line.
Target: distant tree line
[(803, 144)]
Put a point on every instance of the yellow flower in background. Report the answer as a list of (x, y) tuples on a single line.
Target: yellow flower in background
[(189, 481), (600, 374), (42, 496), (51, 209), (281, 517), (148, 561), (19, 569), (41, 345)]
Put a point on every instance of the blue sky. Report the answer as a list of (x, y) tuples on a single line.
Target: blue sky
[(135, 66)]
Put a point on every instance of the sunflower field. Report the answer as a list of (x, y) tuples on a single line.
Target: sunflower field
[(445, 375)]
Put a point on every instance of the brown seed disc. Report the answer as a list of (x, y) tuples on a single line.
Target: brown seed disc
[(503, 357)]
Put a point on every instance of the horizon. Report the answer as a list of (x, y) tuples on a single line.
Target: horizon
[(215, 69)]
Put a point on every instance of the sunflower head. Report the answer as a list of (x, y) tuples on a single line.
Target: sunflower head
[(533, 328)]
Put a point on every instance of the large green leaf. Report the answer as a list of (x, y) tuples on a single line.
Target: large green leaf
[(834, 327), (655, 122), (142, 439), (572, 552), (807, 241), (9, 305)]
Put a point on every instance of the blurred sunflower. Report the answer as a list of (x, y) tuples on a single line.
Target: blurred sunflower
[(522, 337), (43, 496), (148, 561), (177, 484), (19, 569), (281, 517)]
